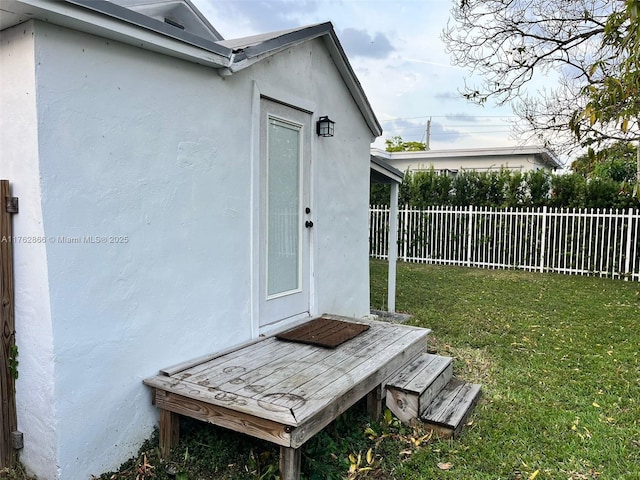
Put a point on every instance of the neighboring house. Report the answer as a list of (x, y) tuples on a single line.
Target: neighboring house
[(479, 159), (165, 177)]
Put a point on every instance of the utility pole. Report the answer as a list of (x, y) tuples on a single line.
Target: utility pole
[(428, 142)]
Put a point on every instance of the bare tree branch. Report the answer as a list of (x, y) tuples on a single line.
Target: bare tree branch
[(506, 45)]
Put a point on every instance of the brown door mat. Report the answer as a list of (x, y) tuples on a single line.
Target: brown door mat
[(324, 332)]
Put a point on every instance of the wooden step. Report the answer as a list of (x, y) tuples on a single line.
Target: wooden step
[(414, 387), (450, 410)]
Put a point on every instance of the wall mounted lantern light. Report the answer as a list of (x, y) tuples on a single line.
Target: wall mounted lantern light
[(324, 127)]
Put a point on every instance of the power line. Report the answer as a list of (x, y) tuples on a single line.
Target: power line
[(454, 116), (437, 133)]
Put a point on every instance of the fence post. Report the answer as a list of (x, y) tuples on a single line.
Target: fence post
[(470, 226), (543, 236), (405, 232), (627, 266), (8, 372)]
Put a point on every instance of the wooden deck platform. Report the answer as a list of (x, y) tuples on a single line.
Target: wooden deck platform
[(284, 392)]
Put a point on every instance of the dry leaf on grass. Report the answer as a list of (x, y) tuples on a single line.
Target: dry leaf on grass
[(445, 466)]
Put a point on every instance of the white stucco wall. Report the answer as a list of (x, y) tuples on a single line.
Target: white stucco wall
[(144, 165), (134, 150), (34, 336), (343, 192), (307, 75)]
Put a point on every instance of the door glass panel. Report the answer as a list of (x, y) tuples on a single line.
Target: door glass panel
[(283, 208)]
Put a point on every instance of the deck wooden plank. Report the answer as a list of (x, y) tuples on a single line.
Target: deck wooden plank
[(379, 360), (420, 373), (344, 368), (413, 389), (226, 370), (452, 407), (310, 373), (328, 380), (429, 374), (217, 397), (410, 370), (224, 417), (244, 357), (327, 404), (190, 364), (221, 359), (259, 378)]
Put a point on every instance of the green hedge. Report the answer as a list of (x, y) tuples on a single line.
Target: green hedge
[(506, 189)]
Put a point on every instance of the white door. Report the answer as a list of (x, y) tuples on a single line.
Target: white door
[(285, 212)]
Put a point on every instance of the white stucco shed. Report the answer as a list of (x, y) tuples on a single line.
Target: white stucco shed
[(175, 200)]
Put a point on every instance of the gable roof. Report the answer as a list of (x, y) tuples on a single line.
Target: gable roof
[(205, 47), (249, 50)]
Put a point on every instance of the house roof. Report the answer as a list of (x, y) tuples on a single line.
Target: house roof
[(179, 13), (382, 172), (187, 35), (248, 50), (546, 156)]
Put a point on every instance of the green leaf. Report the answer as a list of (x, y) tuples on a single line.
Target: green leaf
[(625, 125)]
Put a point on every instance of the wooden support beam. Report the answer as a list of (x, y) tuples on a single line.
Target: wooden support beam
[(8, 351), (290, 462), (224, 417), (169, 432), (374, 403)]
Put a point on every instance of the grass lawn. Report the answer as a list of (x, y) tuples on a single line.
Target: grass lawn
[(559, 363), (558, 360)]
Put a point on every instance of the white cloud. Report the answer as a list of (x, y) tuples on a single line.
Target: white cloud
[(396, 51)]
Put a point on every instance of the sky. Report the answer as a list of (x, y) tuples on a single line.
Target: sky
[(397, 53)]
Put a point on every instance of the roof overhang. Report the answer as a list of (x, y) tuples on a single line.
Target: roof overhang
[(382, 172), (108, 20), (181, 12), (250, 50)]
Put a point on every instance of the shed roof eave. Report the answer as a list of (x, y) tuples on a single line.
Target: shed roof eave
[(385, 173), (252, 49), (108, 20), (352, 82)]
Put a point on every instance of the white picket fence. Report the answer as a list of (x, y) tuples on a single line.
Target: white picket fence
[(598, 242)]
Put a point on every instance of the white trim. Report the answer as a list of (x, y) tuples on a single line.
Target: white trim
[(284, 324), (266, 311), (255, 210), (276, 94), (392, 253)]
